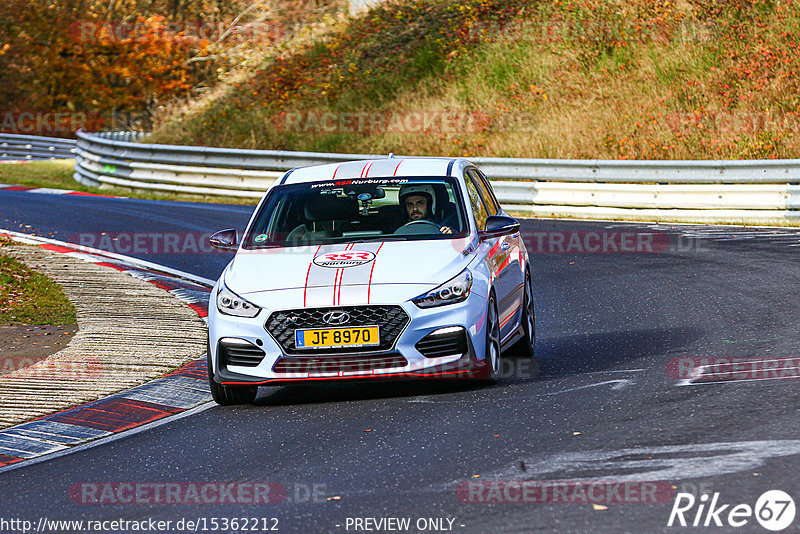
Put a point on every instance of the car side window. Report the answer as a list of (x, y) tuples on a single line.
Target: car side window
[(477, 204), (492, 198), (492, 208)]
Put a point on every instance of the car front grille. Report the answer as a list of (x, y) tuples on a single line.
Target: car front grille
[(245, 355), (390, 319), (336, 364), (438, 345)]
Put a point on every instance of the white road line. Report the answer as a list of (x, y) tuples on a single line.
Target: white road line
[(645, 463), (618, 385), (616, 371), (700, 377), (700, 382), (32, 239)]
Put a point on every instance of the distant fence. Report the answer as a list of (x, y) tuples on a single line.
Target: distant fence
[(32, 147), (736, 192)]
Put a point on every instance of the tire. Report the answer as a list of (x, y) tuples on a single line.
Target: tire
[(493, 353), (229, 395), (525, 347)]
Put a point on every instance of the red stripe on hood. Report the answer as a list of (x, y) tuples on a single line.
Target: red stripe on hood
[(310, 264), (369, 284), (337, 299), (366, 171), (335, 283)]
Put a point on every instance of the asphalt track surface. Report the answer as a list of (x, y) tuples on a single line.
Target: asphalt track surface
[(604, 405)]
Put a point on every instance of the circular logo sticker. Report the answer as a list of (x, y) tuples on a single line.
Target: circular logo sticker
[(260, 238), (775, 510), (341, 260)]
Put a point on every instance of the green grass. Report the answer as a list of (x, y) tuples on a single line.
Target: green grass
[(30, 298), (57, 174)]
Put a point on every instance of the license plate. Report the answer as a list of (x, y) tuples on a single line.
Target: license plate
[(323, 338)]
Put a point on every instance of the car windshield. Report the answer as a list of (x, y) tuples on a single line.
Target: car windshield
[(358, 210)]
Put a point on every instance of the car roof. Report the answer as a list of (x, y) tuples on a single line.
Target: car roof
[(376, 168)]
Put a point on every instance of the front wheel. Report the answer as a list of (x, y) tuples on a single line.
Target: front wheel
[(492, 356), (229, 395)]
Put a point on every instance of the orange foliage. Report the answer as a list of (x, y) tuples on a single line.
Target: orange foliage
[(119, 57)]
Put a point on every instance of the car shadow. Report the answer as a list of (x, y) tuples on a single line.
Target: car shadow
[(346, 392), (599, 351), (555, 357)]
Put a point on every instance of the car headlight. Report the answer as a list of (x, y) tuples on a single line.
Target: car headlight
[(452, 291), (229, 303)]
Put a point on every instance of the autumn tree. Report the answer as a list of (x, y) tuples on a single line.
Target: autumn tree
[(113, 57)]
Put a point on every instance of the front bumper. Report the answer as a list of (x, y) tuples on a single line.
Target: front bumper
[(403, 360)]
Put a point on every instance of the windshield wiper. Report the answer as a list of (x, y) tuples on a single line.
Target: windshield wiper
[(381, 238)]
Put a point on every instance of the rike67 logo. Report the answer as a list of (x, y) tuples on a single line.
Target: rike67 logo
[(774, 510)]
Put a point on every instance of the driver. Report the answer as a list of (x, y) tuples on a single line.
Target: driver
[(417, 201)]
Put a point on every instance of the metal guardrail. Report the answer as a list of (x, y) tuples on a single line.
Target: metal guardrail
[(740, 192), (111, 160), (32, 147)]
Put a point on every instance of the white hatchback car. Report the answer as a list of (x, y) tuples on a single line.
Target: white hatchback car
[(365, 270)]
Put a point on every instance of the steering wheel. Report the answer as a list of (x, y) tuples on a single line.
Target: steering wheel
[(417, 227)]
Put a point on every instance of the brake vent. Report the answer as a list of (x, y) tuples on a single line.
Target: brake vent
[(243, 355), (440, 345)]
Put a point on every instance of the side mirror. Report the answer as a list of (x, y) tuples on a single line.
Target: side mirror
[(225, 240), (498, 225)]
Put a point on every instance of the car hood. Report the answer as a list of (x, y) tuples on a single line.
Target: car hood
[(416, 263)]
